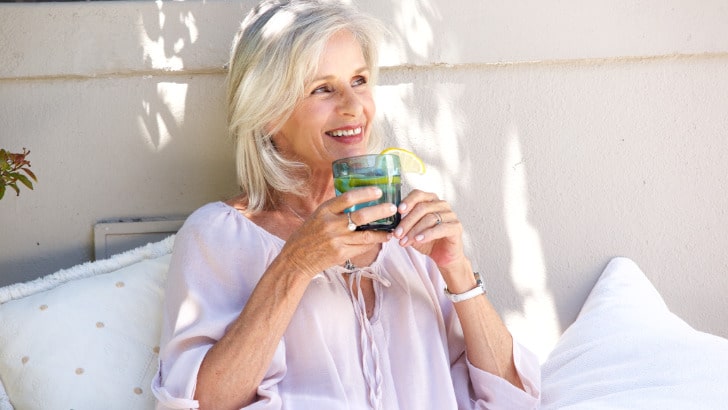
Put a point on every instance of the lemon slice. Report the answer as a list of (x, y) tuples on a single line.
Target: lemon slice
[(410, 162)]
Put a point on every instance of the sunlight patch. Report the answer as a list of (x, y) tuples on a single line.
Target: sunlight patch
[(277, 24), (539, 320), (160, 48), (164, 116), (415, 26)]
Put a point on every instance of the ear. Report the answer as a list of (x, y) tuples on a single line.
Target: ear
[(273, 142), (276, 142)]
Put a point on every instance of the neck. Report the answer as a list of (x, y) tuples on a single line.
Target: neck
[(320, 184), (319, 189), (299, 206)]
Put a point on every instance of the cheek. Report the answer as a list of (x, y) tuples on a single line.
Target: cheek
[(312, 115), (303, 126), (369, 105)]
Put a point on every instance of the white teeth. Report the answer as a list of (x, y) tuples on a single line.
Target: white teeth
[(343, 133)]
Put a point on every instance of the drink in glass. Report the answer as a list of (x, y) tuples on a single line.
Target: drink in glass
[(378, 170)]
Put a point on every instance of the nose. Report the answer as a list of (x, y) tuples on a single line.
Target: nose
[(349, 102)]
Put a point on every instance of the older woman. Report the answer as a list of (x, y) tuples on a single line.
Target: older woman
[(262, 312)]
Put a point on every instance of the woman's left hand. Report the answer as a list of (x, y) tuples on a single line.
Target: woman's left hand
[(429, 225)]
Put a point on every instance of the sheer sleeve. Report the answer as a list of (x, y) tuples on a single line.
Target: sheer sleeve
[(218, 258), (492, 392), (476, 388)]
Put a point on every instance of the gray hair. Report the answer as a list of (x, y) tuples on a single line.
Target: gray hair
[(274, 55)]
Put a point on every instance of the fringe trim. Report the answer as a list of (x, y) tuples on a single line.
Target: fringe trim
[(149, 251)]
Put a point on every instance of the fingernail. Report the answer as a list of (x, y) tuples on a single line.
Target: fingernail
[(398, 232), (392, 208), (419, 237), (403, 241), (402, 207), (378, 191)]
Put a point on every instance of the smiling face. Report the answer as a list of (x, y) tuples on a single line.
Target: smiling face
[(334, 118)]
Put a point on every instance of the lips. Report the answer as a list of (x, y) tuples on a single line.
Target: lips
[(350, 132)]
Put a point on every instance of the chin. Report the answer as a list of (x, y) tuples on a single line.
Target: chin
[(347, 152)]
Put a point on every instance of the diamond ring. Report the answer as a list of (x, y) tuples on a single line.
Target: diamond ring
[(439, 218)]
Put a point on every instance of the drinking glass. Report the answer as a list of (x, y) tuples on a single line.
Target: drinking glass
[(380, 170)]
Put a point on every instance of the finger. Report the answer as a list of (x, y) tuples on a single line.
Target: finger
[(327, 242), (364, 239), (427, 218), (353, 197), (360, 242), (419, 208), (425, 230), (422, 232), (372, 213), (413, 198)]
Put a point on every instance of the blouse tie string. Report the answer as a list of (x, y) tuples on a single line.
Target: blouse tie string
[(370, 353)]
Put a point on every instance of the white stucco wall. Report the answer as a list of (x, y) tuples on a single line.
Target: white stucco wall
[(564, 133)]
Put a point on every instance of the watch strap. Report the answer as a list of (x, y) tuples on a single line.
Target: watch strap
[(479, 289)]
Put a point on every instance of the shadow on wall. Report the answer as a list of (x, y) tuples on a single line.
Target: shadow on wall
[(431, 111), (167, 38), (140, 137), (431, 123)]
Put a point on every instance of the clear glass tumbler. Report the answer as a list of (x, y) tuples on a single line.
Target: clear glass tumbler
[(378, 170)]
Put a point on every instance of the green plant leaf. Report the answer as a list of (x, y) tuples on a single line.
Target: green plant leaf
[(22, 178), (14, 185), (2, 191)]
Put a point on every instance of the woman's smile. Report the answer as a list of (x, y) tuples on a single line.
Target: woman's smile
[(332, 120)]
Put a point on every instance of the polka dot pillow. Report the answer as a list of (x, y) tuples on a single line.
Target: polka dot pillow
[(85, 337)]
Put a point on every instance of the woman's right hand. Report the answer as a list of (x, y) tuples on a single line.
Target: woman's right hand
[(324, 239)]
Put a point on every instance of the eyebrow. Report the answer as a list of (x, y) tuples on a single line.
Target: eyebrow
[(327, 77)]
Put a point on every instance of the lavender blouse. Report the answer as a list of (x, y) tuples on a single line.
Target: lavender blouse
[(409, 355)]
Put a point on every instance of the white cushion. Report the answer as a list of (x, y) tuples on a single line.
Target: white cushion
[(86, 337), (627, 350)]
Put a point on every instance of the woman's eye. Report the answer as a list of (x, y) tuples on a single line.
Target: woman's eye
[(322, 89), (361, 80)]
